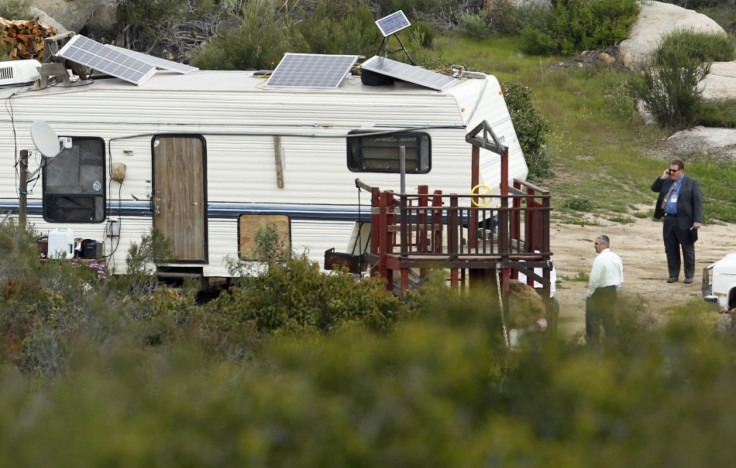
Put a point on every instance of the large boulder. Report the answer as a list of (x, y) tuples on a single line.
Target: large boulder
[(657, 19), (75, 15), (717, 142), (720, 83), (42, 17)]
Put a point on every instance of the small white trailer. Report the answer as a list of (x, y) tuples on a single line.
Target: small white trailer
[(719, 283), (205, 157)]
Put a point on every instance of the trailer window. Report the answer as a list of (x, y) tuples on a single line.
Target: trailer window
[(74, 183), (264, 237), (380, 153)]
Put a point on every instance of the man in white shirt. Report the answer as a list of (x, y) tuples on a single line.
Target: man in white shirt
[(606, 278)]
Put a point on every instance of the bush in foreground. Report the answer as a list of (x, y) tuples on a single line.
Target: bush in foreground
[(436, 390), (295, 295)]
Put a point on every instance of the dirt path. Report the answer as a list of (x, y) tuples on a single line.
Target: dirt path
[(645, 268)]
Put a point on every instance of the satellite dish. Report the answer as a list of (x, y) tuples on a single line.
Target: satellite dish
[(45, 139)]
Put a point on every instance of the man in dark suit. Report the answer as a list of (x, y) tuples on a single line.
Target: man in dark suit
[(681, 204)]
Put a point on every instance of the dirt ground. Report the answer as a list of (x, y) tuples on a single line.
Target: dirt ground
[(645, 267)]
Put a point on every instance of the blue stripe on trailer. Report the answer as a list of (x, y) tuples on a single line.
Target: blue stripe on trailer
[(217, 210)]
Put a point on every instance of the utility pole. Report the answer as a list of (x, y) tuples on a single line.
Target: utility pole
[(23, 188)]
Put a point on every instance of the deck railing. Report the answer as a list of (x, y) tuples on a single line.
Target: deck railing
[(462, 228)]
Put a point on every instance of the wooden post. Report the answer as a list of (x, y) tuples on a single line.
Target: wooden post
[(437, 233), (473, 218), (23, 188), (422, 233), (404, 227), (279, 161)]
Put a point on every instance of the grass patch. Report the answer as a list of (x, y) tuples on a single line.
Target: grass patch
[(578, 204), (621, 219), (576, 220), (580, 277)]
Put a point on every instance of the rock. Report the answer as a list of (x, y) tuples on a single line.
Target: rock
[(719, 142), (657, 19), (103, 19), (41, 16), (606, 58), (530, 3), (73, 15), (720, 83), (646, 116)]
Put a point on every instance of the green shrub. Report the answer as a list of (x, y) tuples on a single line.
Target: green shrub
[(573, 25), (475, 25), (578, 204), (531, 128), (422, 34), (720, 114), (671, 93), (19, 254), (506, 18), (428, 393), (15, 9), (699, 46), (141, 277), (258, 41), (339, 28), (297, 296), (443, 14), (668, 85)]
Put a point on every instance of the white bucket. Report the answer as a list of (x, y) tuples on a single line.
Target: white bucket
[(61, 243)]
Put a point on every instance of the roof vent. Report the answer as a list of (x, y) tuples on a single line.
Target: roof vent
[(18, 72)]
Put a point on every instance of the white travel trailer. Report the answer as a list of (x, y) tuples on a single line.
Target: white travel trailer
[(205, 157)]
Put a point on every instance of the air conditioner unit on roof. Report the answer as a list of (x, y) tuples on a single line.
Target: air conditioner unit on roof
[(17, 72)]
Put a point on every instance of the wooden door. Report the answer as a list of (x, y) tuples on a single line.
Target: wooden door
[(179, 195)]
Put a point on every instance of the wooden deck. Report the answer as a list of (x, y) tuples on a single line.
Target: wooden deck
[(469, 235)]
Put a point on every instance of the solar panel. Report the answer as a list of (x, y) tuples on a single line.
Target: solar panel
[(156, 61), (107, 60), (393, 23), (411, 73), (311, 71)]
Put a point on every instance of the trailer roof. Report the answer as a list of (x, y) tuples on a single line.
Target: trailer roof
[(234, 81)]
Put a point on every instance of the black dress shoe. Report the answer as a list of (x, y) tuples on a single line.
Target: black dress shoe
[(672, 279), (688, 281)]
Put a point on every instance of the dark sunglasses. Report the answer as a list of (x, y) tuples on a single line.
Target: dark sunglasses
[(672, 171)]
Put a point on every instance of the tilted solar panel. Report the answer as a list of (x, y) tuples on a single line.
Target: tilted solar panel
[(411, 73), (393, 23), (156, 61), (107, 60)]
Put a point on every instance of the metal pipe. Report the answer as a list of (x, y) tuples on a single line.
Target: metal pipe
[(402, 168)]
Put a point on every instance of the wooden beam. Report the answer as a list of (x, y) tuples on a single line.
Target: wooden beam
[(279, 161)]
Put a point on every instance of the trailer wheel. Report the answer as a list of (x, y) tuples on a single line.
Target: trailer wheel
[(481, 196)]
